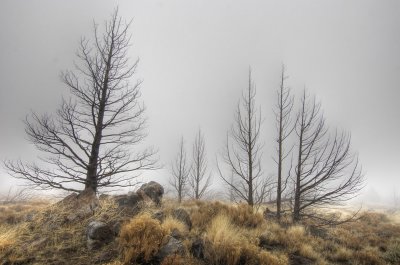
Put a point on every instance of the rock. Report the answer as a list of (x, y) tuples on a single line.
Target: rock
[(269, 215), (173, 247), (79, 205), (160, 216), (153, 191), (296, 259), (183, 216), (267, 242), (176, 234), (197, 248), (130, 200), (98, 234)]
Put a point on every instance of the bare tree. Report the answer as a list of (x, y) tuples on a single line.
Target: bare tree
[(285, 127), (88, 141), (327, 172), (199, 181), (180, 172), (242, 153)]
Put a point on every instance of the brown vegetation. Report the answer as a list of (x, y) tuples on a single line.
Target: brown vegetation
[(229, 234)]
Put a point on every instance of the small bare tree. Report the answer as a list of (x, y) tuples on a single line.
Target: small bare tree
[(89, 140), (284, 128), (242, 153), (327, 172), (199, 181), (180, 172)]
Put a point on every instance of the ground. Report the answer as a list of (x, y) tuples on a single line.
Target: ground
[(42, 232)]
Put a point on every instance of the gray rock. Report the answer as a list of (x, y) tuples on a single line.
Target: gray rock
[(80, 205), (98, 234), (182, 216), (160, 216), (176, 234), (130, 200), (153, 191), (173, 247), (197, 248)]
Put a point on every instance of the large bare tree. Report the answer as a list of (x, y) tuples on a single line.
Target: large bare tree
[(180, 172), (199, 180), (327, 171), (283, 110), (242, 153), (90, 138)]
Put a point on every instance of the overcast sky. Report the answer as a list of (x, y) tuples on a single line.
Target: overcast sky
[(194, 60)]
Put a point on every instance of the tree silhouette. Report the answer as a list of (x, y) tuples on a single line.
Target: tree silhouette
[(327, 172), (89, 139), (242, 153)]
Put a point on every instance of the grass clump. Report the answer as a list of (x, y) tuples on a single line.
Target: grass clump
[(240, 215), (392, 254), (140, 239), (171, 224), (226, 243)]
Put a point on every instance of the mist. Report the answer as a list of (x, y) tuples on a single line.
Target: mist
[(194, 61)]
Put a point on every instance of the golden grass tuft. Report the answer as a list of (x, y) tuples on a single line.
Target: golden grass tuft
[(170, 224), (8, 236), (266, 258), (140, 239), (225, 242), (240, 215)]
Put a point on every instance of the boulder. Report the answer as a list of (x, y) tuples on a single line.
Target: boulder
[(197, 248), (183, 216), (173, 247), (159, 215), (153, 191), (80, 205), (98, 234), (269, 215), (130, 200), (177, 234)]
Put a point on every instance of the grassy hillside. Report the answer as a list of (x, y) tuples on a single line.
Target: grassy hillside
[(39, 233)]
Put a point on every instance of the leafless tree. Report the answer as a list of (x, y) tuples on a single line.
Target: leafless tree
[(180, 172), (285, 127), (199, 180), (242, 153), (327, 171), (88, 141)]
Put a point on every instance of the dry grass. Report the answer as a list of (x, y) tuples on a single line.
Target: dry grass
[(230, 244), (140, 239), (171, 224), (225, 242), (37, 233), (241, 215)]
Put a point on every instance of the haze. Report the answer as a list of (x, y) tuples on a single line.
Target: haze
[(194, 60)]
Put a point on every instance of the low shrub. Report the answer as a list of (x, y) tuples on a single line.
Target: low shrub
[(140, 239)]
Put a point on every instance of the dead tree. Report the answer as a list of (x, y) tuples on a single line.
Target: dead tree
[(180, 172), (89, 139), (327, 172), (242, 153), (199, 181), (284, 128)]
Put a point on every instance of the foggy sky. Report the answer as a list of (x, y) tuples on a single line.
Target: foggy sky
[(194, 59)]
